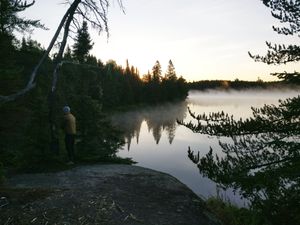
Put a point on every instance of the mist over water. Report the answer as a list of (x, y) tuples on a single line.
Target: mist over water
[(155, 140)]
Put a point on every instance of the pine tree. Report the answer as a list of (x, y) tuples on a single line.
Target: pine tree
[(83, 43), (9, 19), (288, 13), (91, 60), (156, 72), (263, 161), (127, 68), (171, 74), (147, 78)]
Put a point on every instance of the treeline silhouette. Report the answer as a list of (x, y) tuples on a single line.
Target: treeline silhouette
[(124, 86), (91, 88), (238, 85)]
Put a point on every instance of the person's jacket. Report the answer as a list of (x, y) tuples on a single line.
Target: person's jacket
[(69, 124)]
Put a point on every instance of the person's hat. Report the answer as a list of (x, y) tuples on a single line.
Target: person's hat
[(66, 109)]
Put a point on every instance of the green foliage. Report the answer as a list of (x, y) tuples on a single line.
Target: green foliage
[(158, 89), (91, 60), (263, 160), (171, 74), (230, 214), (83, 44), (10, 21), (16, 117), (287, 12), (124, 87), (156, 73), (86, 88), (97, 140), (25, 132), (89, 88), (68, 54), (8, 68), (36, 146)]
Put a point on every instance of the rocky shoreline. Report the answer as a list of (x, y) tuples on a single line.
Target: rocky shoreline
[(108, 194)]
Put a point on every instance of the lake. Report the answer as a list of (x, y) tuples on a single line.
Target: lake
[(154, 139)]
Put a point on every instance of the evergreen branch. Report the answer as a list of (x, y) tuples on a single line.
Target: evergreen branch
[(289, 77), (258, 166), (278, 54)]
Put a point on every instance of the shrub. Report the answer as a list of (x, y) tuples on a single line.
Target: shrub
[(230, 214)]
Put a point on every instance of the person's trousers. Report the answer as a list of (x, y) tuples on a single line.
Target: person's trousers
[(70, 141)]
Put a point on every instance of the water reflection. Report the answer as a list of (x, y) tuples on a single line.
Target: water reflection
[(159, 119), (156, 141)]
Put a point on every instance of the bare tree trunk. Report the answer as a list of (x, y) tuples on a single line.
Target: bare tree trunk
[(98, 15), (31, 83), (53, 129), (94, 12)]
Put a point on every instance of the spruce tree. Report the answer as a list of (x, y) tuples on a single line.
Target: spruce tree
[(83, 43), (127, 68), (171, 73), (156, 72)]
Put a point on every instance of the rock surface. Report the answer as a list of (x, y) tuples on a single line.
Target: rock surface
[(101, 194)]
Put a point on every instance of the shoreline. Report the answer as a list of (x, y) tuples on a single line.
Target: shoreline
[(102, 194)]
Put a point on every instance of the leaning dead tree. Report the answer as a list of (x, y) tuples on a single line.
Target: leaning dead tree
[(92, 11)]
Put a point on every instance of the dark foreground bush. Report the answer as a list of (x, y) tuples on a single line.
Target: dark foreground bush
[(230, 214)]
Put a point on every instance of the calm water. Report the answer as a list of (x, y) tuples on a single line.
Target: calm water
[(156, 141)]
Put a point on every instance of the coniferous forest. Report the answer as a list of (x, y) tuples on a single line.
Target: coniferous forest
[(36, 82), (30, 131)]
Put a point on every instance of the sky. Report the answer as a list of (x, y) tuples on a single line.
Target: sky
[(206, 40)]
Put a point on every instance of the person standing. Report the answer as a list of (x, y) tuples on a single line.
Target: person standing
[(69, 126)]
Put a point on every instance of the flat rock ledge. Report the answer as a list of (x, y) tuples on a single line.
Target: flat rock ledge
[(105, 194)]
